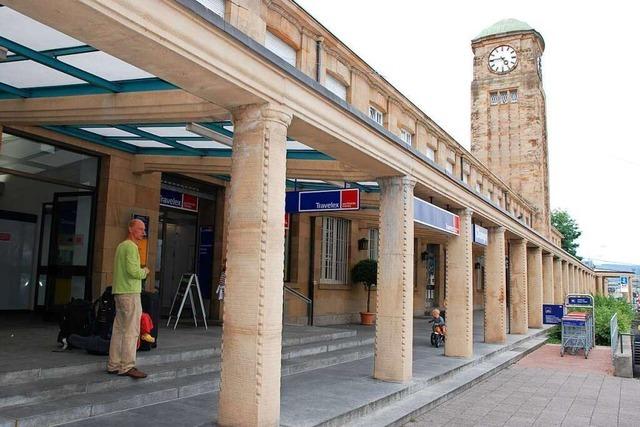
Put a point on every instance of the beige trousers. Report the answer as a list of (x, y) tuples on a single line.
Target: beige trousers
[(126, 330)]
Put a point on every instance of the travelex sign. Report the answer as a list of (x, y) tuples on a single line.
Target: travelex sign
[(480, 235), (178, 200), (346, 199), (432, 216)]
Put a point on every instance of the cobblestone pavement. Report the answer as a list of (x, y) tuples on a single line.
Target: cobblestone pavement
[(543, 394)]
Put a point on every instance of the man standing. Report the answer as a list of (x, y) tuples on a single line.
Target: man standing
[(127, 286)]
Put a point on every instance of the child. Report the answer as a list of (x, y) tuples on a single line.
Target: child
[(439, 326)]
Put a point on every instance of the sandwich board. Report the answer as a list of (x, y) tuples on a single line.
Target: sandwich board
[(188, 282)]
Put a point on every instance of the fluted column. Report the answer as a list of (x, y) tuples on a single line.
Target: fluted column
[(394, 320), (565, 279), (547, 278), (252, 331), (558, 292), (459, 301), (495, 288), (518, 307), (534, 286)]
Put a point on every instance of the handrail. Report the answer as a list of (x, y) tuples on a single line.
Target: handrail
[(304, 298)]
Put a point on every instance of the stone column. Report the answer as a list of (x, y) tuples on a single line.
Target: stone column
[(495, 288), (629, 289), (252, 331), (394, 307), (558, 292), (518, 308), (459, 301), (600, 286), (547, 279), (534, 287), (572, 279), (565, 279)]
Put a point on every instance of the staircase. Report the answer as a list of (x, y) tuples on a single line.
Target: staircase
[(57, 395)]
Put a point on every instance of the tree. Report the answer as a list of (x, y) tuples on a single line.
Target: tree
[(569, 229), (365, 272)]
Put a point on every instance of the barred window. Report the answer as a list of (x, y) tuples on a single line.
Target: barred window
[(335, 250), (374, 236), (494, 98), (514, 95), (504, 97)]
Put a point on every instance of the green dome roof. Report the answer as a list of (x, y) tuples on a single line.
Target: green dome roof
[(504, 26)]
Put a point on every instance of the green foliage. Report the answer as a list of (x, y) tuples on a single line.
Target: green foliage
[(365, 272), (605, 308), (569, 229)]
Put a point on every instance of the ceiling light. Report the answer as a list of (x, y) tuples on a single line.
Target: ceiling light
[(210, 134)]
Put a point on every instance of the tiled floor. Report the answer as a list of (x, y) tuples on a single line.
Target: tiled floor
[(544, 389)]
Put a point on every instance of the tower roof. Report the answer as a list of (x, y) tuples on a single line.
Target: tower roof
[(505, 26)]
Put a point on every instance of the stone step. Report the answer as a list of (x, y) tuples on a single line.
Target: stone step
[(129, 395), (155, 357), (419, 396), (206, 362)]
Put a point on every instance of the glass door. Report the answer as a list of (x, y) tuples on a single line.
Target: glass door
[(69, 263)]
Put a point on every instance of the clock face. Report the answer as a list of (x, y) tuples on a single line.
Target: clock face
[(503, 59)]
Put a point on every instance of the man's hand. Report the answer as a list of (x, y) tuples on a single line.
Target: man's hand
[(146, 270)]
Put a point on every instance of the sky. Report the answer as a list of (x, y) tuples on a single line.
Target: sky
[(590, 69)]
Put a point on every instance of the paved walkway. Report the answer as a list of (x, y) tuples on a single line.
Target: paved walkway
[(544, 389)]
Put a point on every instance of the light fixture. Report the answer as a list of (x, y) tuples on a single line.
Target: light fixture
[(3, 53), (210, 134), (363, 244)]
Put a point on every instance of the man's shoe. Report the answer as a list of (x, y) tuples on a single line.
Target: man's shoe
[(112, 372), (135, 373)]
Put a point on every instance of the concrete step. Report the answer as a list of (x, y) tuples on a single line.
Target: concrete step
[(61, 400), (205, 362), (155, 357), (419, 396)]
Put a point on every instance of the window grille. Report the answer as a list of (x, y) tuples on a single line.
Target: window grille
[(335, 250), (376, 115), (504, 97), (514, 96), (406, 136), (494, 98)]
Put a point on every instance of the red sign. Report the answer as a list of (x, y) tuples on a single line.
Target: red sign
[(190, 202), (350, 199), (287, 221), (5, 237)]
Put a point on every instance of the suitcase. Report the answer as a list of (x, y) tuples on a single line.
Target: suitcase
[(151, 305)]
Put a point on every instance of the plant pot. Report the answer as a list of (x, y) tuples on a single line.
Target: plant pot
[(367, 319)]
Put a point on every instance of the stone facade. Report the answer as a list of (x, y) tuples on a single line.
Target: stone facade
[(508, 120)]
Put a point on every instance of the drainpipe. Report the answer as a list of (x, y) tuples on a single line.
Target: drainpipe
[(319, 43), (312, 256)]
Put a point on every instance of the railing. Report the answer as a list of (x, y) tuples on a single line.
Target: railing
[(613, 335), (304, 298)]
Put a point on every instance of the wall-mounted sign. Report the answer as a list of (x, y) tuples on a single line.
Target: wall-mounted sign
[(346, 199), (178, 200), (580, 300), (432, 216), (480, 235), (552, 314), (624, 280)]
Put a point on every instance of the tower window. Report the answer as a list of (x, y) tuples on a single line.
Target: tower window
[(504, 97)]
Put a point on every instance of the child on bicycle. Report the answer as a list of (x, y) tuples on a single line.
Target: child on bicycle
[(439, 327)]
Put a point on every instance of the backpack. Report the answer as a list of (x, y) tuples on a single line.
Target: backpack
[(77, 318), (105, 314)]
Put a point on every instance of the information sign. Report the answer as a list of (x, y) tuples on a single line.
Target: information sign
[(480, 235), (432, 216), (346, 199), (552, 314), (624, 280), (178, 200), (580, 300)]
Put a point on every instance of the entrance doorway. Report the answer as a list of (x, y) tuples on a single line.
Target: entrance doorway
[(177, 240)]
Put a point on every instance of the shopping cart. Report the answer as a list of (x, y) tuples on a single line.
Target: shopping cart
[(577, 333)]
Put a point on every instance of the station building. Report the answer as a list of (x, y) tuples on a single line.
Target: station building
[(202, 117)]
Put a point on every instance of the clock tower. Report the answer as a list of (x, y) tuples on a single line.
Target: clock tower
[(508, 114)]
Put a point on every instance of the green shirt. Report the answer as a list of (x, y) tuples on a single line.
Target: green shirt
[(127, 274)]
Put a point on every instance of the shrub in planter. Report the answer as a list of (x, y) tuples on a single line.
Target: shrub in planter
[(366, 273)]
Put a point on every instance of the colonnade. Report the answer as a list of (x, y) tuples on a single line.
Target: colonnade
[(251, 352)]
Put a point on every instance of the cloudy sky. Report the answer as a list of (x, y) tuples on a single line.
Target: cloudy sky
[(590, 69)]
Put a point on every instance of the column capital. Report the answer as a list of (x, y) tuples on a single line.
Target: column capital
[(465, 212), (245, 116), (405, 180), (498, 229), (548, 255)]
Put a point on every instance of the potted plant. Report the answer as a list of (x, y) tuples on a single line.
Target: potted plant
[(366, 272)]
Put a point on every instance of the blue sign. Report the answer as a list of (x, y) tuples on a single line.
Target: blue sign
[(624, 280), (205, 260), (435, 217), (580, 300), (346, 199), (480, 235), (552, 314)]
